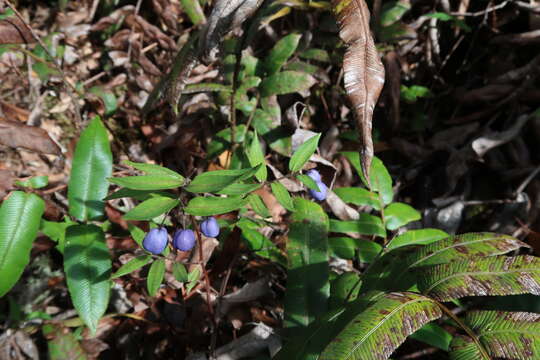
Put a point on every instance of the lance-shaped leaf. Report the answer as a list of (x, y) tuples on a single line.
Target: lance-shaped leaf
[(376, 332), (201, 206), (155, 276), (87, 264), (152, 208), (483, 277), (20, 217), (212, 181), (132, 265), (364, 71), (92, 164), (506, 335), (308, 288)]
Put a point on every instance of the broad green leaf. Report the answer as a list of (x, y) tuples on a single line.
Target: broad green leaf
[(92, 165), (308, 288), (481, 277), (148, 182), (344, 289), (359, 196), (303, 153), (282, 195), (365, 225), (136, 233), (62, 343), (132, 265), (153, 169), (286, 82), (56, 231), (259, 243), (434, 335), (206, 206), (417, 237), (223, 140), (345, 248), (151, 208), (87, 264), (380, 179), (507, 335), (179, 271), (255, 155), (308, 182), (35, 182), (212, 181), (20, 217), (239, 189), (257, 204), (397, 215), (281, 52), (155, 276), (377, 331)]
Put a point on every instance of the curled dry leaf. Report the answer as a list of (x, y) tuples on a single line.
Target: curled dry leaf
[(364, 71), (14, 31), (15, 135)]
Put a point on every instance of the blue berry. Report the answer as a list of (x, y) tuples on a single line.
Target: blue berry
[(321, 194), (210, 227), (156, 240), (314, 174), (184, 240)]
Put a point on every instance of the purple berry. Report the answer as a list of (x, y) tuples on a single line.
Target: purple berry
[(156, 240), (321, 194), (314, 174), (210, 227), (184, 240)]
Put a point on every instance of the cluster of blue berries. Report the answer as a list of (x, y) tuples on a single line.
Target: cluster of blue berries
[(323, 189), (184, 240)]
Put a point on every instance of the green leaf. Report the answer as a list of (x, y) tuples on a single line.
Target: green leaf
[(344, 289), (359, 196), (155, 276), (140, 195), (35, 182), (308, 288), (286, 82), (417, 237), (393, 11), (20, 217), (434, 335), (303, 153), (179, 271), (193, 278), (345, 248), (255, 155), (92, 164), (281, 52), (212, 181), (239, 189), (315, 54), (506, 335), (377, 331), (282, 195), (365, 225), (194, 11), (481, 277), (397, 215), (259, 243), (258, 206), (56, 231), (132, 265), (62, 343), (151, 208), (87, 264), (308, 182), (201, 206), (108, 98), (137, 234), (153, 169), (148, 182), (222, 140), (411, 94), (380, 179)]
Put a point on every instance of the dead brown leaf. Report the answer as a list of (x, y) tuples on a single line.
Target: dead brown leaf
[(13, 31), (17, 135)]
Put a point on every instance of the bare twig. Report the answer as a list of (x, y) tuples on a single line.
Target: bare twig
[(483, 12)]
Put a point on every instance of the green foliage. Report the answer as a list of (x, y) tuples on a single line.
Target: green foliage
[(303, 153), (155, 276), (214, 205), (132, 265), (62, 343)]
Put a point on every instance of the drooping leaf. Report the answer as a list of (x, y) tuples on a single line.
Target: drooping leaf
[(206, 206), (490, 276), (303, 153), (87, 264), (373, 334), (364, 71), (280, 53), (155, 276), (92, 165), (358, 196), (286, 82), (255, 155), (380, 179), (308, 288), (397, 215), (366, 225), (132, 265), (180, 272), (212, 181), (151, 208), (417, 237), (153, 169), (148, 182), (20, 217), (505, 335), (282, 195)]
